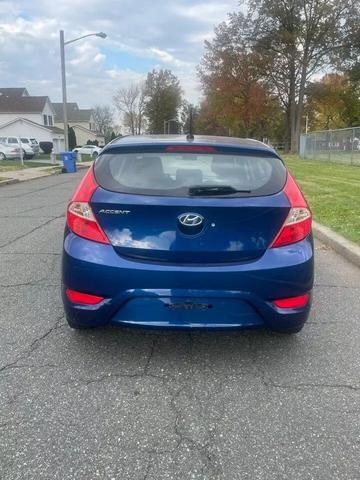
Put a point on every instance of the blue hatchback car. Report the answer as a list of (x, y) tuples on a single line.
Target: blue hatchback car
[(188, 232)]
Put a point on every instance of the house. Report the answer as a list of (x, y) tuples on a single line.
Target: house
[(17, 102), (81, 120), (23, 115), (22, 127)]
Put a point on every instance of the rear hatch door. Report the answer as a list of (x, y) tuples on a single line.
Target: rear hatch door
[(190, 208)]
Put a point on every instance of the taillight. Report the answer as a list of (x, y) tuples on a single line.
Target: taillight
[(83, 298), (297, 225), (292, 302), (80, 217)]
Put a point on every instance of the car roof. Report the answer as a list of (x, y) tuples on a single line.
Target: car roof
[(153, 140)]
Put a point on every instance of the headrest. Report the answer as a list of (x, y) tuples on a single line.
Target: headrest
[(189, 176), (230, 168), (151, 165)]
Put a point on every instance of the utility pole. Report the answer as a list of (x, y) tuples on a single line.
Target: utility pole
[(63, 77), (63, 81)]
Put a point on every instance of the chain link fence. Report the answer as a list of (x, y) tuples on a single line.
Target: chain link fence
[(338, 146)]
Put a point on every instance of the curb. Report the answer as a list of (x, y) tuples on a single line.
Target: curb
[(9, 181), (338, 243), (81, 167)]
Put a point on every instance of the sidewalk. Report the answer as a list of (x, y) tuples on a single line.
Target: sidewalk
[(15, 176)]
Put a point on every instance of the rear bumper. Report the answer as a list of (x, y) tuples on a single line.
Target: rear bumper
[(169, 296)]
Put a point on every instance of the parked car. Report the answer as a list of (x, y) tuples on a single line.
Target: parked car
[(28, 152), (8, 153), (32, 142), (92, 150), (210, 232)]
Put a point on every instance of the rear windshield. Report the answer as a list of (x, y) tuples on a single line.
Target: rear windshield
[(190, 174)]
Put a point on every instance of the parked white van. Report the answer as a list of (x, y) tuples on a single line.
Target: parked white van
[(28, 151), (32, 142)]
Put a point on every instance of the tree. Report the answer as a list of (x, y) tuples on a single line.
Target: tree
[(293, 40), (297, 39), (103, 118), (333, 102), (163, 99), (239, 100), (189, 112), (113, 135), (72, 138), (130, 102)]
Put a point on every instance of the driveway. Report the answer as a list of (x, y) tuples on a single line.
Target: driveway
[(129, 404)]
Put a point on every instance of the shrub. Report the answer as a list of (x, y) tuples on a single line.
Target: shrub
[(72, 138), (46, 147)]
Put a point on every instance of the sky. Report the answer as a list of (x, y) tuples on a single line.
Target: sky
[(142, 35)]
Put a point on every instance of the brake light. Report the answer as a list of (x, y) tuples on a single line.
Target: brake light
[(83, 298), (297, 225), (292, 302), (80, 217), (190, 149)]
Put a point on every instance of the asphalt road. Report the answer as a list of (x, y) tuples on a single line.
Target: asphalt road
[(127, 404)]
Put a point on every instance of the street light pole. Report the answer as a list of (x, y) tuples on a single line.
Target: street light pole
[(63, 80), (63, 77)]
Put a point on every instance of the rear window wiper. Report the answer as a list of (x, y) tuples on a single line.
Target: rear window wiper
[(208, 190)]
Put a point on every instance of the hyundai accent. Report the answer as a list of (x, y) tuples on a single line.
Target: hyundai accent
[(188, 232)]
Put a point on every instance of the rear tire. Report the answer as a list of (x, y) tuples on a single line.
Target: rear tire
[(2, 156), (75, 325), (291, 331)]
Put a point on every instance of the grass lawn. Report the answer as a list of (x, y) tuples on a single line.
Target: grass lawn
[(333, 192), (8, 165)]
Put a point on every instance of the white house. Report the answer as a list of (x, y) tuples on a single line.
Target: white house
[(81, 120), (22, 127), (16, 102), (23, 115)]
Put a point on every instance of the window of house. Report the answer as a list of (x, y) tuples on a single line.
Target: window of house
[(45, 117), (50, 120)]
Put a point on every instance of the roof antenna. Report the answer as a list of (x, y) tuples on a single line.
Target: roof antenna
[(190, 135)]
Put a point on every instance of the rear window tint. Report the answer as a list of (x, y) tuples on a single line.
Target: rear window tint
[(176, 174)]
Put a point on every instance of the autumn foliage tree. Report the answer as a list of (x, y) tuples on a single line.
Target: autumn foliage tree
[(288, 41), (240, 101), (333, 102)]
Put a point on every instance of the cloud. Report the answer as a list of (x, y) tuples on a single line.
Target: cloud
[(142, 35)]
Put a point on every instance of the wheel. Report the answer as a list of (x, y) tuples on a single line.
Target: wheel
[(290, 331), (75, 325), (24, 155), (95, 154), (2, 156)]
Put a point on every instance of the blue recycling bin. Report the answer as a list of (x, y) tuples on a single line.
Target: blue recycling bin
[(69, 161)]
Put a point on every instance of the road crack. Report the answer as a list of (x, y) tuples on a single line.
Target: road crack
[(34, 345), (10, 242)]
